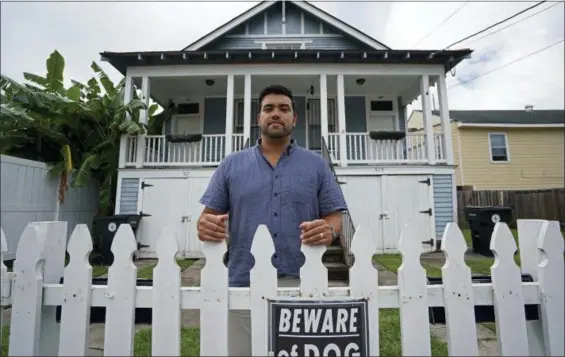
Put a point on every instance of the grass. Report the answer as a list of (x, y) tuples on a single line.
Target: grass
[(147, 271), (478, 264), (5, 341), (389, 335)]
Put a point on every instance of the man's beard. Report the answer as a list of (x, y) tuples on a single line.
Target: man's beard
[(276, 133)]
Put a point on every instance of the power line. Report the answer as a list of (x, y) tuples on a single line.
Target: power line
[(517, 22), (496, 24), (438, 26), (507, 64)]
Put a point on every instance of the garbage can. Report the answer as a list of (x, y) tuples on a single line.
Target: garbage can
[(104, 229), (481, 220)]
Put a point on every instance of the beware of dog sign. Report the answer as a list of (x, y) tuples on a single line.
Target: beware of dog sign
[(318, 328)]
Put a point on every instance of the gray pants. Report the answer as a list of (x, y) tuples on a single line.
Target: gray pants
[(239, 324)]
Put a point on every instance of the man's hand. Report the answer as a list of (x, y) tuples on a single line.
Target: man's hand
[(212, 227), (316, 232)]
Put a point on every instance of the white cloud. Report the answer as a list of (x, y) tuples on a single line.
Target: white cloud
[(80, 31), (537, 80)]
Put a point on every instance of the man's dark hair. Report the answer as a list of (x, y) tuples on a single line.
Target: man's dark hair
[(276, 89)]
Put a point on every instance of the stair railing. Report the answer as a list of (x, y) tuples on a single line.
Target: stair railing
[(348, 228)]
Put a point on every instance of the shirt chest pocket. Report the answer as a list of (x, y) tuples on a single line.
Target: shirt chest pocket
[(302, 189)]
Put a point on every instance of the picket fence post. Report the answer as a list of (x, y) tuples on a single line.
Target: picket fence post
[(27, 295), (121, 294), (508, 297), (263, 283), (53, 237), (363, 247), (413, 295), (214, 301), (5, 281), (528, 232), (75, 308), (458, 295), (166, 317), (551, 278)]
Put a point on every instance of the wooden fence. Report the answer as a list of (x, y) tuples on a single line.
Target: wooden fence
[(532, 204), (35, 290)]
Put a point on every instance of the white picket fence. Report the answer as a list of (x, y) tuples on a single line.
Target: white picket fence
[(34, 291)]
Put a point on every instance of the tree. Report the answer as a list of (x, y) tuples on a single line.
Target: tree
[(76, 130)]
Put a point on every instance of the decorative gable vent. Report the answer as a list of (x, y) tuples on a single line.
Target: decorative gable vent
[(283, 45)]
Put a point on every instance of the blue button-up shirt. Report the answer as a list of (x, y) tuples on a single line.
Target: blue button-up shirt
[(301, 187)]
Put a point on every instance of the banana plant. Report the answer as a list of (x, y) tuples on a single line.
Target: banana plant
[(76, 130)]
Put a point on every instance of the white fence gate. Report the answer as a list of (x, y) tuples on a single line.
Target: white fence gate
[(34, 292)]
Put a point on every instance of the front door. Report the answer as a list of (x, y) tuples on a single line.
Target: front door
[(165, 201), (313, 123)]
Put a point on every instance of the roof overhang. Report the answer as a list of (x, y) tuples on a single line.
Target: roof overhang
[(122, 60), (506, 125), (305, 6)]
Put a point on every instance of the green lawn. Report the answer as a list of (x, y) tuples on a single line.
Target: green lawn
[(478, 264), (147, 271)]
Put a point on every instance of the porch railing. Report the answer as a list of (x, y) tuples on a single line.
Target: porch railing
[(348, 229), (362, 149), (159, 151)]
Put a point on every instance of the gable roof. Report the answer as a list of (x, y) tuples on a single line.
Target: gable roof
[(505, 117), (303, 5)]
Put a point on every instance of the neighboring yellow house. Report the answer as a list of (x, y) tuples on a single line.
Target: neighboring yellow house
[(504, 149)]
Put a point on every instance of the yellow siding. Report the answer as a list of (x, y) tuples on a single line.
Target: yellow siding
[(456, 161), (536, 159)]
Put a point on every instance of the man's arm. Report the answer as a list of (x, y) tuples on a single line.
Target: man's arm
[(331, 201), (211, 225), (216, 197)]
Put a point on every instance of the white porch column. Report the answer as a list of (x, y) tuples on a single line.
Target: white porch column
[(145, 97), (247, 110), (341, 120), (128, 91), (324, 107), (445, 122), (427, 112), (229, 115)]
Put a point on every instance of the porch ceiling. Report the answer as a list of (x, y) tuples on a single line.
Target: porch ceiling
[(184, 89)]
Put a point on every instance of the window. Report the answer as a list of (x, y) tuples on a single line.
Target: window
[(382, 106), (498, 147)]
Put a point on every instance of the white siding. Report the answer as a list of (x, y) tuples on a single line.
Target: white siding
[(29, 194)]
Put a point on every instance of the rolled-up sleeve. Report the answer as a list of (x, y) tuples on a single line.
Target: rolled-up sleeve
[(216, 196), (330, 196)]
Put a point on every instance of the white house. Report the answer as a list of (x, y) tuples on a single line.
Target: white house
[(351, 96)]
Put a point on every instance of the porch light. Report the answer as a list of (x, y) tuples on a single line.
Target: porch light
[(360, 81), (210, 82)]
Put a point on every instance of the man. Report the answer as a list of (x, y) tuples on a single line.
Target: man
[(277, 183)]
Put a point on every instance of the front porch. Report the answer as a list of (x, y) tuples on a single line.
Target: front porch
[(359, 118)]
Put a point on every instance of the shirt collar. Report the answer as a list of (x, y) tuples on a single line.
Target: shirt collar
[(289, 150)]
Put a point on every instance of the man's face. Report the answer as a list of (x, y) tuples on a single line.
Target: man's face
[(277, 118)]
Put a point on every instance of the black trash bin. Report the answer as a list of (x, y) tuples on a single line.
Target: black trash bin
[(104, 229), (481, 220)]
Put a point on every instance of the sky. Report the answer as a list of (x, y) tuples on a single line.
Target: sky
[(30, 31)]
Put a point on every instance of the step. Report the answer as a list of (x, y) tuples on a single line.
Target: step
[(337, 271), (333, 254)]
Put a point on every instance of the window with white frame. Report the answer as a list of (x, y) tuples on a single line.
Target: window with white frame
[(498, 144)]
